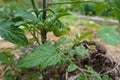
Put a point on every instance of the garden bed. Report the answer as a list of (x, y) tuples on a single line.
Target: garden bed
[(111, 51)]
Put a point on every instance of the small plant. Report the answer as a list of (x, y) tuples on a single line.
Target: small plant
[(47, 55)]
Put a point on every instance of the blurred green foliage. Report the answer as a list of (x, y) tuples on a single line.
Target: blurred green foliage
[(13, 4), (85, 8)]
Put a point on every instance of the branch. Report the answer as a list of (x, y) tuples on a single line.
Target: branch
[(33, 4), (72, 2), (43, 31)]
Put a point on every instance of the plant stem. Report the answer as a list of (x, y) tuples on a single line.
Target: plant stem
[(33, 33), (43, 31), (33, 4), (34, 7), (72, 2), (44, 10), (44, 34), (35, 36)]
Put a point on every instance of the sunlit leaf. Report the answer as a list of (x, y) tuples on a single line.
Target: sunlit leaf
[(85, 35), (109, 35), (44, 55), (93, 24), (71, 67), (27, 16)]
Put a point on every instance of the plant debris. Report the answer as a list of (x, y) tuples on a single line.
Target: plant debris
[(99, 59)]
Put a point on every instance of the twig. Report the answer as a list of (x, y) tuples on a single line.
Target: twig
[(111, 70), (66, 75), (34, 35)]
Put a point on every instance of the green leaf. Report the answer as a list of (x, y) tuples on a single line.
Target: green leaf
[(93, 24), (34, 76), (81, 78), (62, 41), (7, 72), (100, 7), (84, 36), (117, 3), (25, 70), (9, 78), (4, 59), (11, 33), (44, 55), (116, 11), (62, 14), (106, 77), (81, 51), (27, 16), (7, 75), (109, 35), (71, 67), (20, 23), (95, 75)]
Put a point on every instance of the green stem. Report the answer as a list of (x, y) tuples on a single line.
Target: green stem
[(33, 4), (34, 36), (48, 9), (43, 36), (44, 10), (43, 31), (72, 2), (34, 8)]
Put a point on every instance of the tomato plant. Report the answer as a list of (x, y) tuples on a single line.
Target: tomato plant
[(38, 22)]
